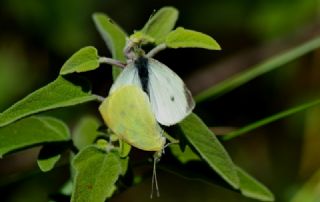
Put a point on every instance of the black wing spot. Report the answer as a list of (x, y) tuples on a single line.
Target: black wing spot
[(172, 98)]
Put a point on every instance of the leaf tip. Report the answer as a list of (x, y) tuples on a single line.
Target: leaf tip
[(95, 15)]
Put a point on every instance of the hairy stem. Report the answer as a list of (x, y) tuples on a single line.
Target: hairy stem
[(111, 61), (100, 98), (156, 50)]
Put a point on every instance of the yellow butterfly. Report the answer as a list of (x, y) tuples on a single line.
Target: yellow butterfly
[(128, 113)]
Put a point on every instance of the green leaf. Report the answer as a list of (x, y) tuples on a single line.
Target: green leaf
[(57, 94), (96, 175), (209, 148), (124, 162), (161, 23), (309, 192), (50, 154), (114, 37), (124, 149), (140, 37), (85, 59), (270, 119), (67, 188), (257, 70), (31, 131), (86, 132), (46, 165), (251, 188), (183, 156), (185, 38)]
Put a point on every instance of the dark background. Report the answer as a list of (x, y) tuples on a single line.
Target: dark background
[(37, 37)]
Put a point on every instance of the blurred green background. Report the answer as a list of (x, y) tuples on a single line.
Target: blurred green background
[(36, 38)]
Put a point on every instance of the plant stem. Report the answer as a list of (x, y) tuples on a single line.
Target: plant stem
[(100, 98), (156, 50), (270, 119), (265, 66), (111, 61)]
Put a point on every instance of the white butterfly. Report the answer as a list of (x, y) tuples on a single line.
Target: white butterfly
[(171, 101)]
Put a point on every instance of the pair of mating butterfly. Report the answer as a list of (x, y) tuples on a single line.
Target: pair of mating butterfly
[(146, 93)]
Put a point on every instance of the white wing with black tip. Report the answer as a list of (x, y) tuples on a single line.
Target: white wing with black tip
[(171, 101)]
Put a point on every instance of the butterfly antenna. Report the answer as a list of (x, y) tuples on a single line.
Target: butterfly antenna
[(154, 178)]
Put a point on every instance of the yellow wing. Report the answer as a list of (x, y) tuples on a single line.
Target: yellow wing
[(127, 112)]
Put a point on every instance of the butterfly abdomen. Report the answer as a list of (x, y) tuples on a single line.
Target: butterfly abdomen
[(142, 65)]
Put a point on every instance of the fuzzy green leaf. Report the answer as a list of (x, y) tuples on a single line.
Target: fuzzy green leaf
[(50, 154), (96, 175), (185, 38), (183, 156), (46, 165), (85, 59), (251, 188), (31, 131), (86, 132), (124, 162), (124, 149), (140, 37), (161, 23), (114, 37), (264, 67), (309, 192), (67, 188), (57, 94), (209, 148)]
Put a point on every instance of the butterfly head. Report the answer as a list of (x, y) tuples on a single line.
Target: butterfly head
[(134, 43)]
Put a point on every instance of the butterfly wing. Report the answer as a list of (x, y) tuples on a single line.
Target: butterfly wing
[(129, 76), (127, 112), (171, 101)]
